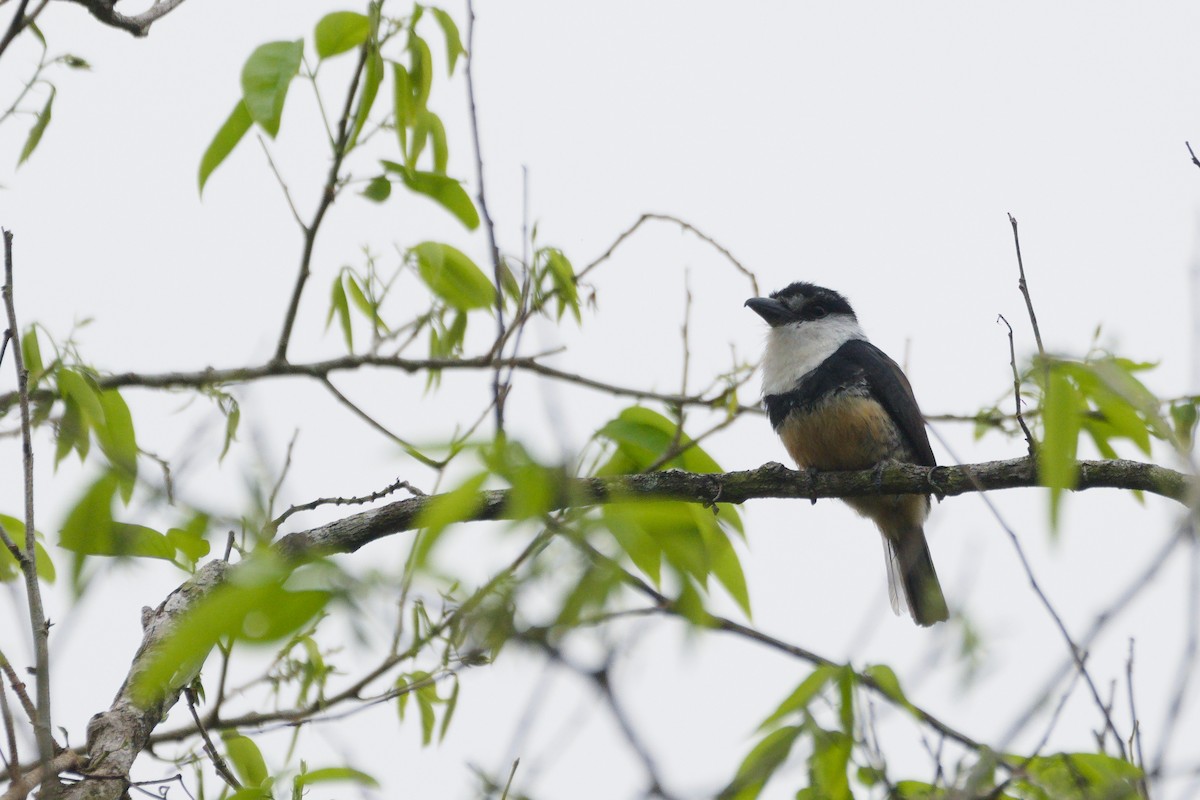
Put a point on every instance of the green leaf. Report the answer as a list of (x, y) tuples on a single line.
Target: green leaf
[(372, 77), (457, 505), (90, 529), (340, 31), (827, 766), (1082, 776), (642, 437), (562, 276), (9, 568), (420, 71), (1057, 467), (445, 191), (802, 695), (252, 612), (117, 440), (230, 133), (429, 126), (339, 305), (402, 106), (330, 774), (72, 432), (1184, 417), (889, 684), (760, 764), (622, 521), (245, 757), (378, 189), (189, 539), (39, 127), (723, 560), (265, 80), (82, 389), (453, 277), (233, 416), (454, 47), (31, 353), (451, 704)]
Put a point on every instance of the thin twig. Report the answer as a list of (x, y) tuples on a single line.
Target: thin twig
[(511, 774), (283, 472), (1191, 152), (1078, 655), (390, 489), (1012, 360), (328, 194), (39, 627), (1132, 589), (217, 761), (15, 26), (687, 226), (499, 390), (1023, 285), (1135, 735), (10, 734), (1187, 660), (287, 195)]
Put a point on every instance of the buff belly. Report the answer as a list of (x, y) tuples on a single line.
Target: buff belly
[(854, 432)]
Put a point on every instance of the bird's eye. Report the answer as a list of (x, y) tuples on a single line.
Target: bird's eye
[(817, 312)]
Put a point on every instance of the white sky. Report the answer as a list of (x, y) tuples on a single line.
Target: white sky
[(871, 147)]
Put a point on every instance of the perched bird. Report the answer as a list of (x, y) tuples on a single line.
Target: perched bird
[(839, 403)]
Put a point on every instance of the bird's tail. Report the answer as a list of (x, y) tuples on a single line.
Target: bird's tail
[(912, 578)]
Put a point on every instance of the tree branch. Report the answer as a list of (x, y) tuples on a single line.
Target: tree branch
[(138, 24), (771, 480), (115, 737)]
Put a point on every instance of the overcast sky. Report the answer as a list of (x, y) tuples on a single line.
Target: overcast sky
[(873, 147)]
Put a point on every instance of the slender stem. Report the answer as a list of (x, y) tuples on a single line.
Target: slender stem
[(39, 628), (1012, 360), (499, 390), (1024, 287), (15, 27), (328, 194)]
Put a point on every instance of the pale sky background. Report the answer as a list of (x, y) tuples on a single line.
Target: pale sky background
[(871, 147)]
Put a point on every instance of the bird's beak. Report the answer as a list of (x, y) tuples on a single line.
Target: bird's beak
[(773, 311)]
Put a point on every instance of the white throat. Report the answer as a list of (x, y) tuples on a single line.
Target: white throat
[(795, 350)]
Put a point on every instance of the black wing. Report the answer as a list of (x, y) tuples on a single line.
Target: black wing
[(891, 388)]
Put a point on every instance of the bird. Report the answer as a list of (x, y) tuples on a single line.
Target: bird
[(839, 403)]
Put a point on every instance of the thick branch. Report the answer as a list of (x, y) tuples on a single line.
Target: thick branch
[(321, 369), (772, 480), (118, 735), (138, 24)]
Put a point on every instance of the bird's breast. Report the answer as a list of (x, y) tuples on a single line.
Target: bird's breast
[(843, 432)]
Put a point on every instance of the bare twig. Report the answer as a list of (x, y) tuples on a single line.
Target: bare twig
[(217, 761), (138, 24), (1187, 660), (15, 26), (1135, 734), (687, 226), (499, 390), (287, 195), (1012, 360), (511, 774), (1192, 153), (10, 735), (1077, 654), (1135, 587), (283, 472), (391, 488), (328, 194), (39, 627), (1024, 287)]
